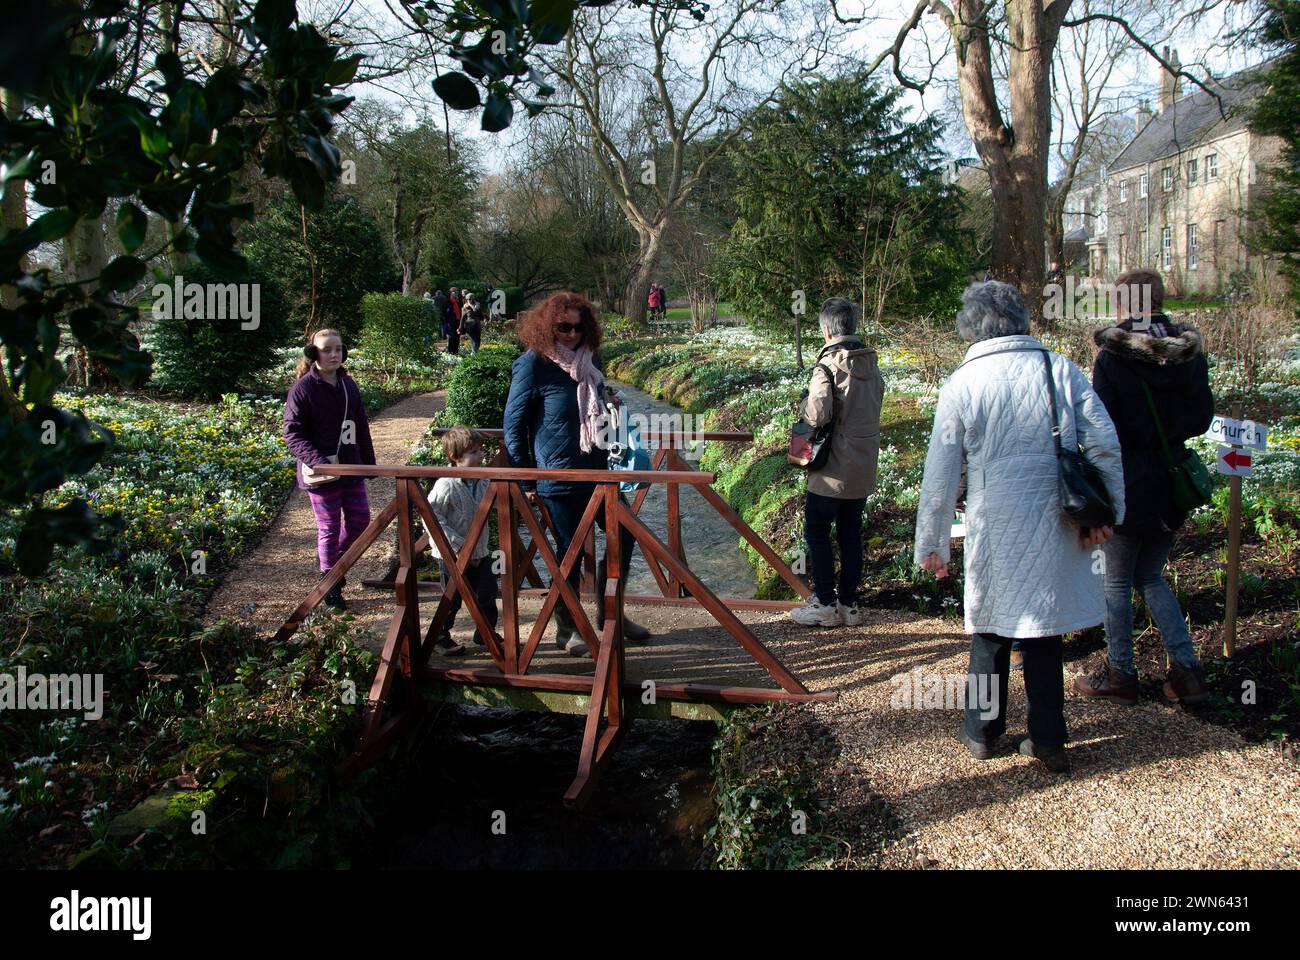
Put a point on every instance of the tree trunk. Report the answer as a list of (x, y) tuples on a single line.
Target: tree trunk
[(167, 20), (638, 285), (85, 256), (1014, 155), (407, 271), (13, 216), (13, 213), (1054, 232), (314, 269)]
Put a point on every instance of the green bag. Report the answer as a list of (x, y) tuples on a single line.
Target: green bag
[(1189, 479)]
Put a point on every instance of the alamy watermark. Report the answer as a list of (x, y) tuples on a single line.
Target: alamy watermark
[(920, 690), (75, 913), (685, 431), (55, 691), (1091, 300), (209, 301)]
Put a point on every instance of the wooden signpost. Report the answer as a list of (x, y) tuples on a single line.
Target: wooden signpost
[(1234, 461)]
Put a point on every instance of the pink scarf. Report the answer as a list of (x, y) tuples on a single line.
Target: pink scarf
[(578, 365)]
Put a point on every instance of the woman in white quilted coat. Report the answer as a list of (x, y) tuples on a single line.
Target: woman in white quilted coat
[(1031, 574)]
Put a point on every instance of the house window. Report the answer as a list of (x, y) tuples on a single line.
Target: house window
[(1123, 190), (1212, 167), (1166, 248), (1142, 185), (1193, 170), (1167, 179), (1191, 246)]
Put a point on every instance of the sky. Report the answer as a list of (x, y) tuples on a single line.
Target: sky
[(1135, 77)]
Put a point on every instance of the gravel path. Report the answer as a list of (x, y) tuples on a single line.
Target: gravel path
[(1151, 786)]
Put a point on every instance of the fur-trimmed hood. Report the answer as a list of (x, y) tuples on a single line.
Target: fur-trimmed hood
[(1148, 349)]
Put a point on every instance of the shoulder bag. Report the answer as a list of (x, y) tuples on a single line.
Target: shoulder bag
[(1084, 496), (810, 447), (1189, 481)]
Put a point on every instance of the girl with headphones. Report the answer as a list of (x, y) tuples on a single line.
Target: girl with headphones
[(325, 422)]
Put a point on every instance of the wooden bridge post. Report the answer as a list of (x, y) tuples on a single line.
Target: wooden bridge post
[(607, 693)]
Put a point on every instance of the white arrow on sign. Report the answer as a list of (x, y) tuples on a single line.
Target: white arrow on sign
[(1239, 433), (1234, 462)]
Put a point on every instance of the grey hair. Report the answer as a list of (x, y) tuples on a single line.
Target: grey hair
[(839, 317), (991, 309)]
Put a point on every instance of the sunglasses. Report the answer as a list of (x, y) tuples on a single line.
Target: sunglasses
[(568, 327)]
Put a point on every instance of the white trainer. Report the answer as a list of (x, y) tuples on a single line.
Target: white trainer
[(817, 614), (852, 616)]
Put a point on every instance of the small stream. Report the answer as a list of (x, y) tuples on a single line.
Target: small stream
[(482, 787), (483, 792)]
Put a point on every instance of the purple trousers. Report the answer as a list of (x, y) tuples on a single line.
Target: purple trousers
[(342, 512)]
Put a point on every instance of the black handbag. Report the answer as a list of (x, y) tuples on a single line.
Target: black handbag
[(1084, 496), (810, 447)]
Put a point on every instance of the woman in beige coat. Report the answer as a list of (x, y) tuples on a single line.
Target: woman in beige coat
[(845, 386)]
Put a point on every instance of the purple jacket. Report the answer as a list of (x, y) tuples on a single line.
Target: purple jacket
[(313, 421)]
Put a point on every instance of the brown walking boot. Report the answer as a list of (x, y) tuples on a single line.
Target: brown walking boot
[(1185, 685), (1107, 683)]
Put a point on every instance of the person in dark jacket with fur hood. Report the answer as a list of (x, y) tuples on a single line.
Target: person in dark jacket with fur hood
[(1146, 353)]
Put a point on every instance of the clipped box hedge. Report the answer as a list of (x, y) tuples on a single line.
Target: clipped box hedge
[(397, 328)]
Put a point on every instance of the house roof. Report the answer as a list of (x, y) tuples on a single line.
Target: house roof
[(973, 179), (1194, 119)]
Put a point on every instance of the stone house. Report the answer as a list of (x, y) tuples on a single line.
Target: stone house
[(1179, 196)]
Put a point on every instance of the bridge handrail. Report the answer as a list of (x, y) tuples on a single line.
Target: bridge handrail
[(650, 436), (515, 474)]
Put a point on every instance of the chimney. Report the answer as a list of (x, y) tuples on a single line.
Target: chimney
[(1143, 115), (1170, 83)]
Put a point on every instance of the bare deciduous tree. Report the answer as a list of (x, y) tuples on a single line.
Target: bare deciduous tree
[(646, 87), (1009, 123), (1085, 113)]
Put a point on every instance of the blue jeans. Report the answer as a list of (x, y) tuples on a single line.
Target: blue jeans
[(818, 514), (1139, 561)]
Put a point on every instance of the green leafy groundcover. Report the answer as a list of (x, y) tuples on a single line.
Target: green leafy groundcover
[(196, 719), (772, 767)]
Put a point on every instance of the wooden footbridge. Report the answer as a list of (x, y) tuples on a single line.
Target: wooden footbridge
[(405, 677)]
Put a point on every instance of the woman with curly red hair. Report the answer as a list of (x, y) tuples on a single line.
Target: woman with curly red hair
[(553, 421)]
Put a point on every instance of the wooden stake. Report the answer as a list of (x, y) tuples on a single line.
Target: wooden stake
[(1234, 557)]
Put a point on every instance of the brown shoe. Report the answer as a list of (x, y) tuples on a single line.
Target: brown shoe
[(1186, 686), (1107, 683)]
